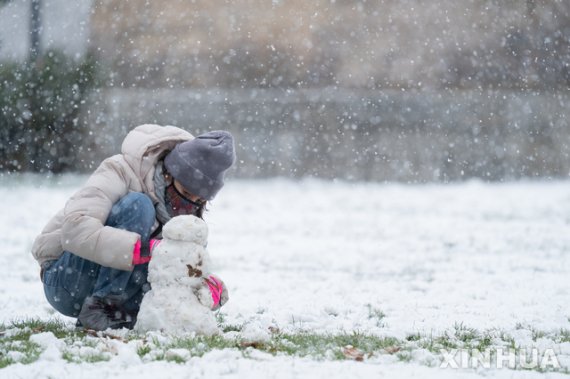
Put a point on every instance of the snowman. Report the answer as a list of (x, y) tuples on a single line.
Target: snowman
[(184, 294)]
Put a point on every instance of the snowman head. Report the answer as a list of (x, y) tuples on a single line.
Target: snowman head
[(186, 228)]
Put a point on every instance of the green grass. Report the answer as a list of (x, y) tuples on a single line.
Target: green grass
[(16, 345), (87, 358), (15, 337), (303, 344), (413, 337), (82, 347), (376, 314), (404, 355), (30, 352), (461, 337), (564, 336), (221, 318), (328, 345), (537, 334), (143, 350)]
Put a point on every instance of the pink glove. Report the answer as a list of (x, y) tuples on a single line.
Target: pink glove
[(218, 291), (142, 254)]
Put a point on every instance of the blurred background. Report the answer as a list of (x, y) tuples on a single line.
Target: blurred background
[(386, 90)]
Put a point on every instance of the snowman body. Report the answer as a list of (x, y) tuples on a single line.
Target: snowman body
[(179, 300)]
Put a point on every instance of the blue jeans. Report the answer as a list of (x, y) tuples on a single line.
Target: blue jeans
[(70, 279)]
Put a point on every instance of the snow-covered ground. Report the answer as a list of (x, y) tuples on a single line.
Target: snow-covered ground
[(382, 259)]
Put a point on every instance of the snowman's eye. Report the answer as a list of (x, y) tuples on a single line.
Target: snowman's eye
[(194, 272)]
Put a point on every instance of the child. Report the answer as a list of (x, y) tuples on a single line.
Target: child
[(94, 253)]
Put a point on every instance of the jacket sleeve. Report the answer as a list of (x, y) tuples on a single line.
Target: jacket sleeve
[(84, 232)]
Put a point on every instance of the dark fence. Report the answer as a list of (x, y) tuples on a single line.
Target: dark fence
[(412, 136)]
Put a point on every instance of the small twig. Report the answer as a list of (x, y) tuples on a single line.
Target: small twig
[(99, 334)]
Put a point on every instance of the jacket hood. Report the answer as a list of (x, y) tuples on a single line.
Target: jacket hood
[(146, 144)]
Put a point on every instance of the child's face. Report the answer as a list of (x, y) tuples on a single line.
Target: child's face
[(187, 195), (181, 202)]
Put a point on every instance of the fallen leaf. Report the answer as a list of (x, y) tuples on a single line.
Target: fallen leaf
[(351, 352), (254, 344), (99, 334)]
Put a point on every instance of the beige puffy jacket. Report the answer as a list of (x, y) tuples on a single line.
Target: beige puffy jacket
[(79, 226)]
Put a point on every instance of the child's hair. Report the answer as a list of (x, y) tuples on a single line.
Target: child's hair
[(201, 210)]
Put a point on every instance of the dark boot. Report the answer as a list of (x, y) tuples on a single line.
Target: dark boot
[(101, 313)]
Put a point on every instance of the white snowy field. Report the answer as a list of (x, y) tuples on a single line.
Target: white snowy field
[(380, 259)]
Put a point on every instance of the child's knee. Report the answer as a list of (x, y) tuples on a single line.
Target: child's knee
[(134, 210), (140, 203), (138, 200)]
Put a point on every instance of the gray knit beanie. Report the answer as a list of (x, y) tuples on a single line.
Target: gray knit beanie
[(199, 165)]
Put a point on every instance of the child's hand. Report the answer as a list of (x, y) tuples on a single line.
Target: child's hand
[(218, 291), (142, 253)]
